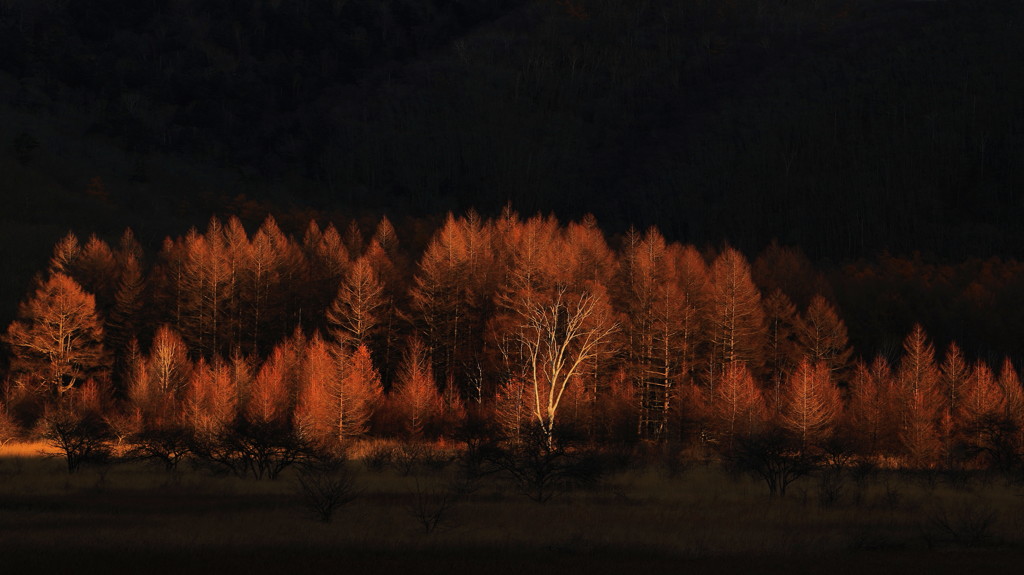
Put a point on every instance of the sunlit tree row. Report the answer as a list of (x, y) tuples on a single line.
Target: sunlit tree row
[(524, 323)]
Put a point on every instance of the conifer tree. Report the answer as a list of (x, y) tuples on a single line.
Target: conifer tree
[(811, 404), (57, 340)]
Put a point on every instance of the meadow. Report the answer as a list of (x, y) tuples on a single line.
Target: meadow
[(414, 511)]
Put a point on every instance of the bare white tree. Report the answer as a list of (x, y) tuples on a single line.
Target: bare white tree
[(557, 337)]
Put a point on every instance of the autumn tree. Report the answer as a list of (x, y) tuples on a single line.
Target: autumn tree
[(451, 296), (125, 319), (203, 287), (738, 407), (341, 392), (416, 401), (212, 398), (327, 263), (656, 327), (736, 317), (954, 373), (919, 398), (983, 421), (781, 349), (874, 415), (811, 404), (57, 338), (822, 336), (157, 389), (65, 255), (354, 316), (268, 266)]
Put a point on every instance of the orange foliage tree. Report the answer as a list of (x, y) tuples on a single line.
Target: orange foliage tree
[(919, 399), (415, 400), (736, 317), (57, 338), (737, 408), (811, 405)]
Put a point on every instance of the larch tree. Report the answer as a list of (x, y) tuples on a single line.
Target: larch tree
[(212, 399), (276, 263), (168, 365), (954, 372), (451, 297), (354, 317), (204, 288), (159, 382), (871, 417), (340, 394), (736, 317), (781, 350), (822, 336), (984, 428), (385, 344), (811, 405), (126, 320), (415, 400), (65, 255), (327, 263), (270, 397), (738, 407), (981, 398), (918, 383), (1013, 404), (357, 395), (654, 305), (57, 340), (96, 270)]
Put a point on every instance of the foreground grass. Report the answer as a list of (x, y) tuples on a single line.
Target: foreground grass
[(133, 516)]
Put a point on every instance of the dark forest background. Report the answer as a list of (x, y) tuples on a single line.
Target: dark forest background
[(884, 139)]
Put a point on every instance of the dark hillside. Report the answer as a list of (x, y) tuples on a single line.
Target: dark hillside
[(846, 127)]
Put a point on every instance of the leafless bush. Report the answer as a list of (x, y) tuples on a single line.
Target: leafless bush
[(772, 457), (379, 457), (893, 496), (863, 471), (254, 449), (168, 446), (80, 437), (411, 458), (831, 486), (542, 468), (408, 457), (968, 524), (325, 487), (431, 507)]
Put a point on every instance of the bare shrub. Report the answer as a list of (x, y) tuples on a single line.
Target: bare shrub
[(431, 507), (544, 465), (326, 486), (378, 457), (772, 457), (893, 496), (831, 486), (169, 446), (968, 524), (80, 437), (255, 449), (408, 457)]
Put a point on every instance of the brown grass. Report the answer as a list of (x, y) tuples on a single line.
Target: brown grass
[(125, 513)]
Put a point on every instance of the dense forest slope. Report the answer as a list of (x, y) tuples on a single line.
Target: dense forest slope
[(845, 127)]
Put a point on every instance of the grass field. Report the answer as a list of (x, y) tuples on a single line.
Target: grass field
[(135, 517)]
